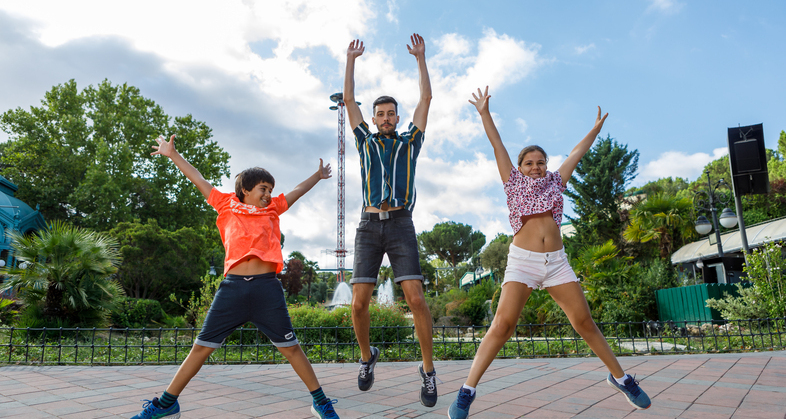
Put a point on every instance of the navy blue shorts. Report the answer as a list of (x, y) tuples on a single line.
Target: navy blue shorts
[(394, 236), (258, 299)]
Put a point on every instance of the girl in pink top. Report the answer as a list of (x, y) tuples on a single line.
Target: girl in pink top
[(537, 258)]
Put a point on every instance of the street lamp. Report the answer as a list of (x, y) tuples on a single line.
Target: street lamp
[(704, 200), (425, 282)]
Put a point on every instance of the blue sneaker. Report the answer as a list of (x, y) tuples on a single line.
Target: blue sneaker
[(636, 396), (459, 409), (151, 411), (324, 410)]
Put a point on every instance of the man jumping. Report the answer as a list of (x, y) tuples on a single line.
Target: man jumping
[(387, 167)]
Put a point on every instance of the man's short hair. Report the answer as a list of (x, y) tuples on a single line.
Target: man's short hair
[(248, 179), (382, 100)]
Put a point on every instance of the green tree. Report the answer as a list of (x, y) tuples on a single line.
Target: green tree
[(159, 262), (98, 142), (668, 185), (310, 269), (663, 218), (291, 277), (597, 191), (67, 278), (495, 256), (451, 242)]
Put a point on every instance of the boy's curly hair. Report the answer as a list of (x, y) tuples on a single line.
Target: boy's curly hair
[(248, 179)]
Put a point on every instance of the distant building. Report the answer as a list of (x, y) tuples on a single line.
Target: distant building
[(15, 215)]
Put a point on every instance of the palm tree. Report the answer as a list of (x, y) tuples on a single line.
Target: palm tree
[(67, 274), (663, 218)]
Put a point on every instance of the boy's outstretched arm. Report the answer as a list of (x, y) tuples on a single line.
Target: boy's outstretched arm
[(167, 148), (306, 185), (570, 163), (418, 49), (481, 103)]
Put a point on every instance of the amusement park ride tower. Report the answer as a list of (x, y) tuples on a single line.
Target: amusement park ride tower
[(340, 250)]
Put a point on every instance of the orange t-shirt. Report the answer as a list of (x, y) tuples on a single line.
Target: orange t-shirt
[(247, 230)]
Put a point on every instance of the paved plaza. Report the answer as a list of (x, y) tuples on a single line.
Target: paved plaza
[(749, 385)]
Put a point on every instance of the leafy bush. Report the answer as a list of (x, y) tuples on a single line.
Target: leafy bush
[(136, 312), (315, 317), (767, 297), (746, 305), (197, 306)]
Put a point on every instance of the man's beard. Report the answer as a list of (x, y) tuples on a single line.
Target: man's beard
[(388, 132)]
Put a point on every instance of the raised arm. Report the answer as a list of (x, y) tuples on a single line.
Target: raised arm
[(481, 103), (570, 163), (418, 49), (306, 185), (167, 148), (355, 50)]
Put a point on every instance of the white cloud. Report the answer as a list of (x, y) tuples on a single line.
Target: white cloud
[(668, 7), (522, 124), (678, 164), (392, 15), (584, 48)]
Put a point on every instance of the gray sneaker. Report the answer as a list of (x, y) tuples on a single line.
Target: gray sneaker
[(428, 390), (366, 370)]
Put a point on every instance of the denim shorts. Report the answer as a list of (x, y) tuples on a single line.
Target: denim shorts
[(258, 299), (394, 236), (538, 270)]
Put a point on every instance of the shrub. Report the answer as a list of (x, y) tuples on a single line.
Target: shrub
[(316, 317), (746, 305), (136, 312)]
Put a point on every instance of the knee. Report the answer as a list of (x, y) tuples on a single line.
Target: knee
[(584, 325), (359, 306), (288, 351), (417, 304), (503, 326)]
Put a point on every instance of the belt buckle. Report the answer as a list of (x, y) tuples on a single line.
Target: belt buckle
[(384, 215)]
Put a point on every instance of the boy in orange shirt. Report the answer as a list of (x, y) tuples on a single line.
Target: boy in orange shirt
[(249, 225)]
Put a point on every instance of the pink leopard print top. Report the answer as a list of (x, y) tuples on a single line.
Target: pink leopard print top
[(527, 196)]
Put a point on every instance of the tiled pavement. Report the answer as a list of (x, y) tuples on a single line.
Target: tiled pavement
[(751, 385)]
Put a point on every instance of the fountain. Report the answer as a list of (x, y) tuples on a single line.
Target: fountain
[(385, 293), (342, 296)]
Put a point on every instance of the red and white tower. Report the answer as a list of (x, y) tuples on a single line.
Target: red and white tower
[(341, 249)]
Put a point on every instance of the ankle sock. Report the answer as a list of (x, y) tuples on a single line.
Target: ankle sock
[(471, 389), (166, 400), (319, 396), (621, 381)]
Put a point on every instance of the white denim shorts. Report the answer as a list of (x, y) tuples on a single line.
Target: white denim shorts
[(538, 270)]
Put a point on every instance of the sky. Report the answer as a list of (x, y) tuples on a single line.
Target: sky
[(673, 76)]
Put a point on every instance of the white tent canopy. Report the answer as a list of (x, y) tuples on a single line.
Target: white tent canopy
[(757, 235)]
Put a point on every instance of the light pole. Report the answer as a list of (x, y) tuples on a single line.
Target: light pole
[(704, 201)]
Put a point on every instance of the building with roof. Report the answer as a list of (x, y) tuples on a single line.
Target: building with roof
[(15, 215), (701, 258)]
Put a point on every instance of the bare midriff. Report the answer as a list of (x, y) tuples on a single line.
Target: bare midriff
[(383, 208), (539, 233), (252, 265)]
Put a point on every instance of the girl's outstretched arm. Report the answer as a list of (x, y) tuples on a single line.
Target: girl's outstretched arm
[(481, 103), (167, 148), (570, 163)]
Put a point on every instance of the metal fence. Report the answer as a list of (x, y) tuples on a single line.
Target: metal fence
[(112, 346)]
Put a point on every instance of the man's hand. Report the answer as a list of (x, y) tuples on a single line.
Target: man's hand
[(164, 147), (481, 100), (599, 121), (355, 49), (324, 172), (418, 48)]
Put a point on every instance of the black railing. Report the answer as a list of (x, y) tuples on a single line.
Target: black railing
[(112, 346)]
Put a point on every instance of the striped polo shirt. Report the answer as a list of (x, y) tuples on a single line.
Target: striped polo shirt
[(387, 166)]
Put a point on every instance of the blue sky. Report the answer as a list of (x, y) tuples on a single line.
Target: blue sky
[(673, 75)]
